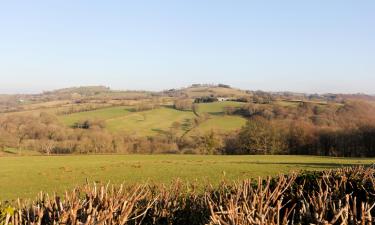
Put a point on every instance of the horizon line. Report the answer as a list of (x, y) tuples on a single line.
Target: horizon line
[(39, 91)]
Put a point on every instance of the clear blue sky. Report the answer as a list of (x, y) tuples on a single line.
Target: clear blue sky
[(305, 46)]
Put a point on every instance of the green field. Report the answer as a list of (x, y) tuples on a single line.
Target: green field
[(149, 122), (156, 121), (17, 152), (216, 108), (26, 176), (101, 114)]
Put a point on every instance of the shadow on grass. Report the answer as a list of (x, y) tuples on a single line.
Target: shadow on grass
[(172, 107), (10, 151), (160, 131), (217, 113), (186, 125), (169, 106), (130, 110)]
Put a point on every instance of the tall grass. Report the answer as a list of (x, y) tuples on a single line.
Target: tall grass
[(343, 196)]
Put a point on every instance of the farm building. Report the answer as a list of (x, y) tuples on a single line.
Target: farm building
[(222, 99)]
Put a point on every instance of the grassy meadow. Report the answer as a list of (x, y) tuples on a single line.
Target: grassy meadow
[(101, 114), (156, 121), (25, 176), (216, 108), (150, 122)]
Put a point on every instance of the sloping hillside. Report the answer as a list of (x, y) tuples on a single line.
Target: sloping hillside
[(161, 120)]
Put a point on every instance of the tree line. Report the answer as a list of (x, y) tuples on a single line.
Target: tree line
[(346, 129)]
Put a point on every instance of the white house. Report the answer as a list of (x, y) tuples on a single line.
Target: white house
[(222, 99)]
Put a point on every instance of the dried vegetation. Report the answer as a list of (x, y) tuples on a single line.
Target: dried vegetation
[(343, 196)]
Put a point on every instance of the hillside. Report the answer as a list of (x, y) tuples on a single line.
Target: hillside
[(201, 119), (215, 91), (161, 120), (102, 94)]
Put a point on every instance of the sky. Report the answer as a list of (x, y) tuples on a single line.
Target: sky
[(312, 46)]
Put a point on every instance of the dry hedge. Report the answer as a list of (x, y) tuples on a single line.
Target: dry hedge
[(342, 196)]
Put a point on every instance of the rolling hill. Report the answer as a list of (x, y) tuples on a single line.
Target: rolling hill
[(156, 121)]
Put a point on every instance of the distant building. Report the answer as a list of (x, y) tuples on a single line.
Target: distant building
[(222, 99)]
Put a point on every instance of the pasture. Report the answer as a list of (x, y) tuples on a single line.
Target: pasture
[(150, 122), (216, 108), (160, 120), (25, 176), (101, 114)]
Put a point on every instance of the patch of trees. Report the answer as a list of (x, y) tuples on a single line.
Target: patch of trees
[(89, 124), (316, 129), (144, 106), (256, 97), (81, 108), (206, 99), (224, 85), (331, 130), (44, 133), (252, 110), (355, 142), (261, 136), (330, 115), (261, 97), (207, 143), (175, 93), (243, 99), (347, 130), (183, 104)]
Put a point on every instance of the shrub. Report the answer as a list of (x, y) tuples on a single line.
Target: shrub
[(342, 196)]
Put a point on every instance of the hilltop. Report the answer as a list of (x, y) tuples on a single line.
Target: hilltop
[(15, 102)]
